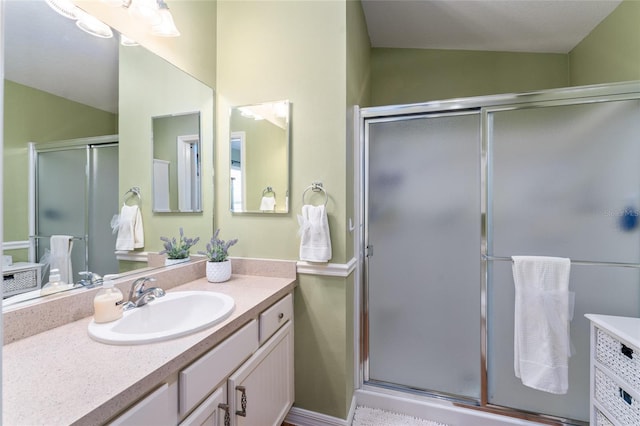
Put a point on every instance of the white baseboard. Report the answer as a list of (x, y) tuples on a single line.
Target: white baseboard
[(301, 417)]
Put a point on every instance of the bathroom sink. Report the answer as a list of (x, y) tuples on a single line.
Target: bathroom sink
[(173, 315)]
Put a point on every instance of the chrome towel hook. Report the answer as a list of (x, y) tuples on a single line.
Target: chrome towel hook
[(135, 191)]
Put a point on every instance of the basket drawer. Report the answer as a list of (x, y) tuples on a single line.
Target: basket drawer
[(615, 400), (624, 361), (20, 281), (602, 420)]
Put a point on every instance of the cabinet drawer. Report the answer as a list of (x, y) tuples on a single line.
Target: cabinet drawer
[(152, 410), (616, 400), (622, 360), (201, 377), (274, 317), (602, 420)]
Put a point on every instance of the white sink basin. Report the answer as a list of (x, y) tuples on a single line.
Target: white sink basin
[(173, 315)]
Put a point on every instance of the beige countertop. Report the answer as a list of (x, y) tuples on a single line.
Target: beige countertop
[(63, 377)]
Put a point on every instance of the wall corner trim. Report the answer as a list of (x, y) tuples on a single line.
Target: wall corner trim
[(327, 269)]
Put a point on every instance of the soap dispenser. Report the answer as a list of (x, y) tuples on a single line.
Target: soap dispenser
[(54, 285), (107, 304)]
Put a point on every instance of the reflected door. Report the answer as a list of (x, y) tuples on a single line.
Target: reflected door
[(423, 265)]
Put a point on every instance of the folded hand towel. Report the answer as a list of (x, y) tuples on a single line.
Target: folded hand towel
[(130, 229), (268, 204), (60, 256), (315, 241), (541, 322)]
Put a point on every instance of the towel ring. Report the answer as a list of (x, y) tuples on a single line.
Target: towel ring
[(316, 187), (135, 190), (269, 190)]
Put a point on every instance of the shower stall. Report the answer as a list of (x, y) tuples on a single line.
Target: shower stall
[(74, 192), (451, 191)]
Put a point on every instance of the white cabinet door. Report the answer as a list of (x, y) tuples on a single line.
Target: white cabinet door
[(211, 412), (261, 390)]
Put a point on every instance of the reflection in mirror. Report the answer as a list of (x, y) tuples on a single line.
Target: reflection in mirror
[(259, 147), (176, 163), (60, 89)]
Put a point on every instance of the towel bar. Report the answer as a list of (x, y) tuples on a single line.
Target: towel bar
[(574, 262)]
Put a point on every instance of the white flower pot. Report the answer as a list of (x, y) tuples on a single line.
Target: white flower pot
[(218, 272), (168, 262)]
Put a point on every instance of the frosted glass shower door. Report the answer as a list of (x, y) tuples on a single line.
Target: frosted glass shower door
[(565, 182), (103, 204), (61, 202), (423, 269)]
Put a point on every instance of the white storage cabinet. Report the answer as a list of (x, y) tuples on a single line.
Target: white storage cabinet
[(615, 370)]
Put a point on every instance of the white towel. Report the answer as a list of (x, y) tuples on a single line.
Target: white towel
[(130, 230), (541, 322), (315, 240), (268, 204), (60, 256)]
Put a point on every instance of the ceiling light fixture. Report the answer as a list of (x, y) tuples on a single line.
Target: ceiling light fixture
[(65, 8), (166, 27), (84, 21), (126, 41), (92, 25)]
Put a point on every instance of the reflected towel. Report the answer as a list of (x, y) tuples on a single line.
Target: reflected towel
[(541, 322), (60, 256), (268, 204), (315, 239), (130, 229)]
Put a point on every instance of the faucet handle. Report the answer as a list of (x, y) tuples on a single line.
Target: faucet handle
[(137, 286)]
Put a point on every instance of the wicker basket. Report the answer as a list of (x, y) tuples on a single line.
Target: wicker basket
[(610, 395), (609, 352), (20, 281)]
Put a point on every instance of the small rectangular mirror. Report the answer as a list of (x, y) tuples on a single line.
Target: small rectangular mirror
[(176, 163), (259, 151)]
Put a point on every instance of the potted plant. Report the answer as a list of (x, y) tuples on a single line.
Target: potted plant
[(177, 251), (218, 264)]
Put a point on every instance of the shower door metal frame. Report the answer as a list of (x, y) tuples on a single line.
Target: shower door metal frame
[(486, 105)]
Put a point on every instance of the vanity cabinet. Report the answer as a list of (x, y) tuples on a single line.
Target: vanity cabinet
[(261, 390), (615, 370), (247, 379)]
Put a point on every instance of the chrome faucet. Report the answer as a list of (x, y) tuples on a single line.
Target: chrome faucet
[(90, 280), (140, 296)]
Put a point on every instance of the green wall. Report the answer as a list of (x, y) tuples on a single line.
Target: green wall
[(402, 76), (612, 51), (32, 115)]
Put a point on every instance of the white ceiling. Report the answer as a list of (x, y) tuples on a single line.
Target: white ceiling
[(47, 51), (552, 26)]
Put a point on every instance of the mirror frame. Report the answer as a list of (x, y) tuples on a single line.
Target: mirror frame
[(268, 188)]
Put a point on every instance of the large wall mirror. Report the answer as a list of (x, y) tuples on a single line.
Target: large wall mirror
[(259, 147), (62, 84), (176, 163)]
